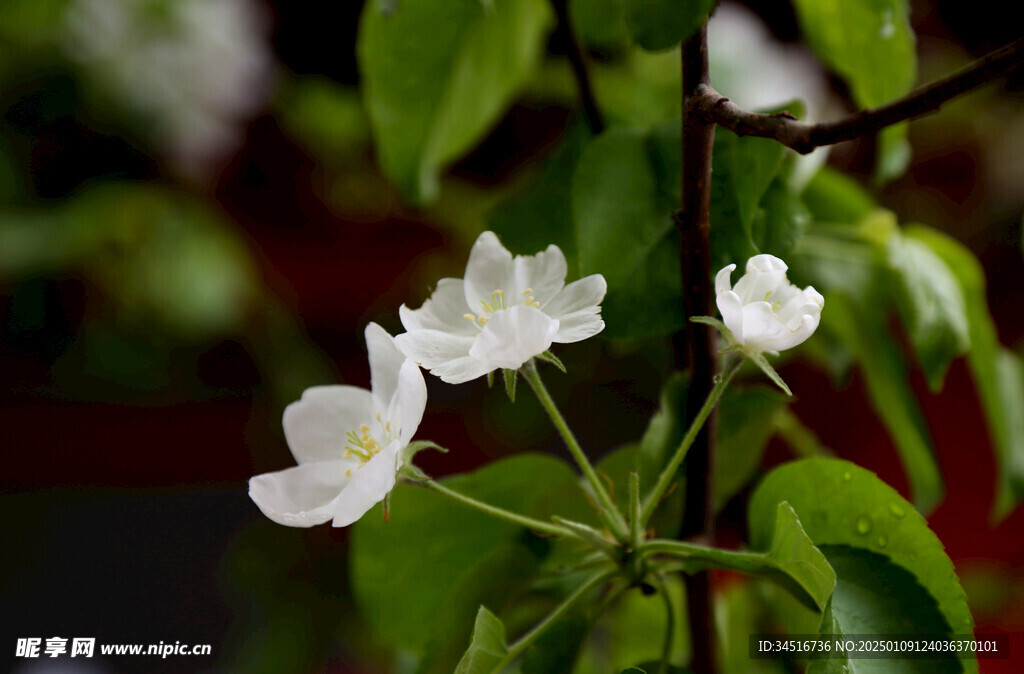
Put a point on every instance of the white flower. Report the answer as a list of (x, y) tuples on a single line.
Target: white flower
[(347, 441), (505, 312), (765, 312)]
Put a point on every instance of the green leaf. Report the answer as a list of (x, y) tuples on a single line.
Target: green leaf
[(996, 371), (839, 503), (885, 373), (745, 423), (664, 431), (487, 649), (601, 23), (437, 76), (660, 24), (510, 377), (541, 213), (327, 118), (743, 169), (623, 195), (399, 592), (489, 582), (932, 306), (558, 648), (870, 43), (804, 570), (780, 221), (549, 357), (875, 596), (835, 197)]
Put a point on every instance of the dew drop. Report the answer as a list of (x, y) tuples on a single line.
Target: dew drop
[(887, 28), (847, 476), (717, 379), (896, 509), (863, 525), (882, 541)]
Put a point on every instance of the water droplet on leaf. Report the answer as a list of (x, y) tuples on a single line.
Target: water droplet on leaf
[(863, 525), (847, 476), (882, 541), (896, 509)]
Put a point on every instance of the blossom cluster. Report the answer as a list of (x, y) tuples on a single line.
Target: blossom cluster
[(351, 444)]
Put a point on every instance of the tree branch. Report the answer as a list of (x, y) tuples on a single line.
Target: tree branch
[(577, 58), (693, 223), (802, 137)]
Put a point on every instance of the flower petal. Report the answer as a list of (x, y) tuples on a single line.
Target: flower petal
[(445, 310), (370, 483), (490, 268), (411, 401), (723, 279), (315, 426), (732, 313), (431, 348), (542, 274), (461, 370), (765, 274), (514, 336), (302, 496), (385, 362), (577, 308)]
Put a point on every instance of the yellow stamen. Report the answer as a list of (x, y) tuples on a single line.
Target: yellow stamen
[(535, 305), (483, 321), (527, 292), (348, 472)]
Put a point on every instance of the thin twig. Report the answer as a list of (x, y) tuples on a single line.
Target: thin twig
[(694, 226), (714, 108), (578, 59)]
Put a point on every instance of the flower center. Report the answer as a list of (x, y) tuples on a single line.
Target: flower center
[(497, 303), (363, 446)]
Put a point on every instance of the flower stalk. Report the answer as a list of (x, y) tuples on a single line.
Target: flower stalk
[(609, 513), (502, 514)]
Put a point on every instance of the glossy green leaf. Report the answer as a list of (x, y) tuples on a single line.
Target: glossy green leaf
[(835, 197), (995, 370), (437, 76), (487, 648), (804, 570), (490, 582), (399, 592), (660, 24), (601, 23), (885, 373), (541, 213), (840, 503), (623, 195), (875, 596), (871, 44), (931, 304), (745, 424)]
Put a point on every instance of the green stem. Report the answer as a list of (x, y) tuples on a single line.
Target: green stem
[(634, 510), (610, 514), (699, 557), (527, 639), (670, 623), (668, 473), (500, 513)]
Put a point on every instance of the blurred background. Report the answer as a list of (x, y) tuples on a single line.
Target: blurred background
[(193, 229)]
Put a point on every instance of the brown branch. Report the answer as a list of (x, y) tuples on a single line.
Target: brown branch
[(802, 137), (574, 50), (694, 227)]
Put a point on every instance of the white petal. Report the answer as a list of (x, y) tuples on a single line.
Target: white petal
[(370, 483), (512, 337), (542, 274), (765, 275), (445, 310), (315, 426), (578, 326), (723, 280), (461, 370), (732, 313), (490, 268), (412, 399), (302, 496), (385, 361), (583, 295), (760, 326), (431, 348), (577, 309)]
